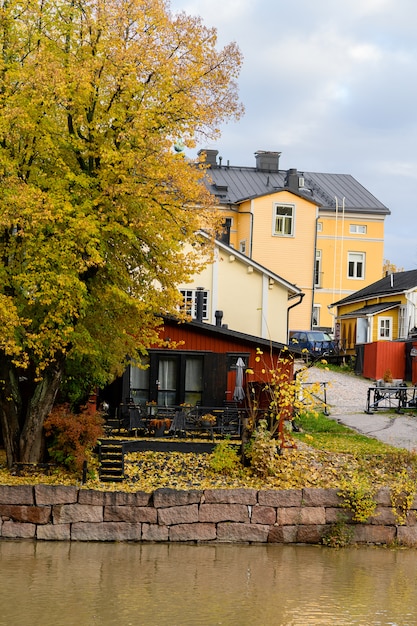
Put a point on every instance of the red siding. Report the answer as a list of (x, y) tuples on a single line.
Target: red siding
[(383, 355), (195, 339), (414, 367)]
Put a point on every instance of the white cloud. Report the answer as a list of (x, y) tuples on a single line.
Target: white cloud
[(333, 85)]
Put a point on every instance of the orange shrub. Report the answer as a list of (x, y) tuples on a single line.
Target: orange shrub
[(70, 436)]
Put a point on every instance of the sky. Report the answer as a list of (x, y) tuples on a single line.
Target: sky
[(332, 85)]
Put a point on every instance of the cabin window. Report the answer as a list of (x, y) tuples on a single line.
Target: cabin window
[(284, 219), (193, 388), (167, 381), (139, 383), (171, 379)]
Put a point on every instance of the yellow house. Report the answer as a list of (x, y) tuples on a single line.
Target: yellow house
[(322, 232), (238, 292), (383, 311)]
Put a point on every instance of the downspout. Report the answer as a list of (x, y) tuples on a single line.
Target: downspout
[(301, 296), (314, 273), (334, 251), (341, 247), (250, 229)]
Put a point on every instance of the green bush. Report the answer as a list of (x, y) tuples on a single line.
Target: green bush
[(358, 495), (262, 451), (225, 459), (339, 535)]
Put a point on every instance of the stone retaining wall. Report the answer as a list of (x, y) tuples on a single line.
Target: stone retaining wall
[(237, 515)]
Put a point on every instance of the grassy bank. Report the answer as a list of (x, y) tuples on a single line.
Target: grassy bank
[(324, 454)]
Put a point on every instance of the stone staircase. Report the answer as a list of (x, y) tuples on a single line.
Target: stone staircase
[(111, 461)]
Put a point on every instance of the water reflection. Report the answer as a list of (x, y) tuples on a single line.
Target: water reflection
[(177, 585)]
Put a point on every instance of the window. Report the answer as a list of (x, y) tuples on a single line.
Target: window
[(402, 322), (167, 381), (190, 302), (139, 383), (316, 315), (284, 219), (193, 391), (319, 227), (356, 265), (357, 229), (317, 269), (384, 327), (225, 235), (242, 246)]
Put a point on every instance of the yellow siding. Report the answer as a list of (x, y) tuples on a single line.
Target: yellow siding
[(335, 241), (348, 326), (251, 302), (291, 257)]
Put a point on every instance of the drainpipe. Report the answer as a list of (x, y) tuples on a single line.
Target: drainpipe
[(301, 296), (199, 304), (251, 229), (314, 272)]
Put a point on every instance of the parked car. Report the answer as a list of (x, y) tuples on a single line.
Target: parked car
[(316, 342)]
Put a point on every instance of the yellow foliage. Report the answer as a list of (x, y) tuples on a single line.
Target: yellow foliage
[(96, 206)]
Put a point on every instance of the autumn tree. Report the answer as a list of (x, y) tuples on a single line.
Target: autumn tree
[(95, 204), (390, 268)]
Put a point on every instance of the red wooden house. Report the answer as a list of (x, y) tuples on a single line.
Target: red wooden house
[(201, 370)]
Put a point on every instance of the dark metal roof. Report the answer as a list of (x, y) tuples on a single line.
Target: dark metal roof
[(389, 285), (225, 332), (232, 185), (372, 309)]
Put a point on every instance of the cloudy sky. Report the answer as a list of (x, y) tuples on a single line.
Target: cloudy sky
[(332, 84)]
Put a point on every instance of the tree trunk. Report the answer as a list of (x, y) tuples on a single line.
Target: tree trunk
[(39, 407), (23, 410), (10, 409)]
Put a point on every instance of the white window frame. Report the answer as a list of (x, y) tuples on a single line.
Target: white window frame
[(402, 323), (319, 227), (358, 229), (242, 246), (190, 303), (287, 220), (358, 260), (385, 328), (316, 315)]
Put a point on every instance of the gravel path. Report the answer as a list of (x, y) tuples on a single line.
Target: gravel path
[(346, 393), (346, 397)]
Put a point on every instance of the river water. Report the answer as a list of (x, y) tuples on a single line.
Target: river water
[(83, 584)]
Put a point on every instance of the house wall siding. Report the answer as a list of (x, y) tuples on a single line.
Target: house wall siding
[(292, 257), (335, 241), (238, 289), (381, 356)]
